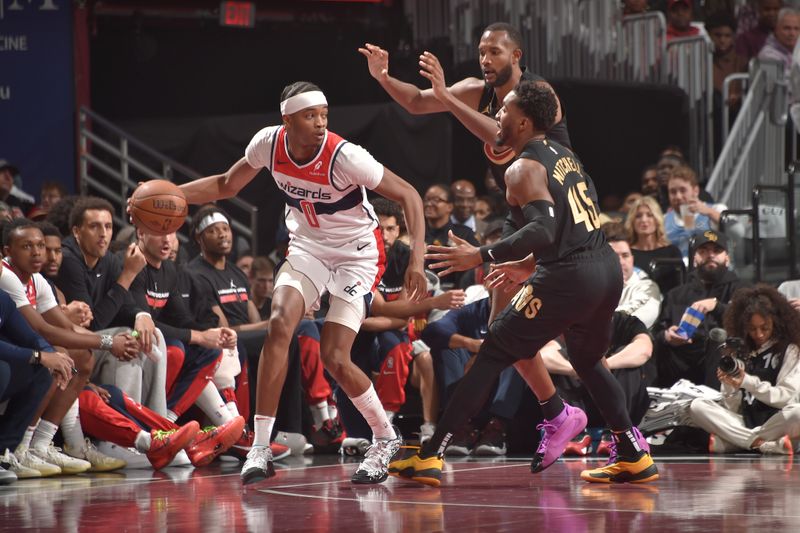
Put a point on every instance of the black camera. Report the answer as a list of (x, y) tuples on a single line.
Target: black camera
[(733, 354)]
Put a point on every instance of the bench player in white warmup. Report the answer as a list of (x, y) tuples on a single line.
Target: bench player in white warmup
[(335, 246)]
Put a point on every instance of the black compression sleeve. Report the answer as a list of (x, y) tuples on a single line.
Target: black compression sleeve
[(538, 233)]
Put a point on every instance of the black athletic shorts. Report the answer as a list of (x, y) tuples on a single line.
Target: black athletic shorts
[(575, 297)]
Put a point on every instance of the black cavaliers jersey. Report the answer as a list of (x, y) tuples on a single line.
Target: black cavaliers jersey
[(575, 199), (500, 161), (765, 366)]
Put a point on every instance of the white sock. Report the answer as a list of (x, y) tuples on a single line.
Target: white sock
[(319, 413), (369, 405), (389, 415), (143, 441), (233, 409), (212, 404), (171, 416), (263, 430), (43, 436), (333, 411), (71, 428), (27, 437)]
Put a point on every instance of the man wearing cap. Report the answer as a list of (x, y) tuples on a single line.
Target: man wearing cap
[(335, 246), (709, 290)]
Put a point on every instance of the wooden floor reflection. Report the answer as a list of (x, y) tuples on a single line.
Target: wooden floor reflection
[(737, 493)]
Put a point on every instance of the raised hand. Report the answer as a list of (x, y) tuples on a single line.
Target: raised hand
[(458, 258), (431, 69), (377, 60)]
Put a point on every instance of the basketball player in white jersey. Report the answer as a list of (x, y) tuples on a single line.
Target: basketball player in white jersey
[(335, 246)]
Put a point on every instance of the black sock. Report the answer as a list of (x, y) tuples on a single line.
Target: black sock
[(552, 407), (627, 445)]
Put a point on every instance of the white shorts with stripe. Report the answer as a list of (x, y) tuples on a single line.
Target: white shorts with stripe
[(348, 272)]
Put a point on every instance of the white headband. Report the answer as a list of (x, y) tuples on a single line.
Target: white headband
[(295, 103), (213, 218)]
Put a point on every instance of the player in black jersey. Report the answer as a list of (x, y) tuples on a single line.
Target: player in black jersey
[(573, 291), (475, 103)]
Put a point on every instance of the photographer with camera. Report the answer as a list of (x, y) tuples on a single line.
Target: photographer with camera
[(760, 377)]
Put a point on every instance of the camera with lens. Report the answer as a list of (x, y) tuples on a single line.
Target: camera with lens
[(733, 354)]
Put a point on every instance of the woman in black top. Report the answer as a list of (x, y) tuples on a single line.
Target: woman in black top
[(645, 228)]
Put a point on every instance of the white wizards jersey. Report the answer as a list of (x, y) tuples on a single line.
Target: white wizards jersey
[(326, 200)]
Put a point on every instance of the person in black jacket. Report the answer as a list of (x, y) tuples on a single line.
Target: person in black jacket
[(709, 290), (90, 274)]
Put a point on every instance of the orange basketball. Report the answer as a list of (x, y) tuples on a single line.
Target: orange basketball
[(158, 207)]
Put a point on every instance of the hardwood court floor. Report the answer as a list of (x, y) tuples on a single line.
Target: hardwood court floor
[(695, 493)]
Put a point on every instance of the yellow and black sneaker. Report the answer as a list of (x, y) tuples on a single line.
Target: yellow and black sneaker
[(640, 470), (426, 471)]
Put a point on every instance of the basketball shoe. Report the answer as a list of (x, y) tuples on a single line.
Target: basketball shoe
[(375, 466), (637, 469), (580, 446), (258, 465), (99, 461), (427, 471), (557, 434), (211, 441), (165, 445)]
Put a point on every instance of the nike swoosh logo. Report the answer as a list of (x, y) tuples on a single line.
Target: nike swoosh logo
[(98, 275), (359, 248)]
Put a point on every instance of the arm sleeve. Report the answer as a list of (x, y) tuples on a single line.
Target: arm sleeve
[(537, 234)]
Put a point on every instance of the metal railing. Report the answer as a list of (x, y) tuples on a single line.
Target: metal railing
[(754, 151), (690, 67), (643, 45), (112, 163)]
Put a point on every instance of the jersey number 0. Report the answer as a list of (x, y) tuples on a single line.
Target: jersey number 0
[(310, 213)]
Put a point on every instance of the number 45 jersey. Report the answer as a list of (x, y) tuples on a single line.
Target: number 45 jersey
[(326, 201), (575, 199)]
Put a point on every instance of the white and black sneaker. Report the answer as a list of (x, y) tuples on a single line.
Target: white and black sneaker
[(375, 466), (258, 465)]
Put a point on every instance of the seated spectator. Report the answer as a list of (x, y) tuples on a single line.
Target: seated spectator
[(21, 279), (245, 263), (630, 348), (648, 241), (666, 164), (759, 409), (26, 363), (438, 207), (641, 296), (688, 214), (52, 193), (750, 42), (708, 291), (483, 208), (216, 282), (262, 282), (91, 275), (194, 350), (650, 181), (11, 193), (78, 312), (780, 43), (464, 204), (679, 19), (630, 199)]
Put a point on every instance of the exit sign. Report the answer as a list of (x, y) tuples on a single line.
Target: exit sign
[(237, 14)]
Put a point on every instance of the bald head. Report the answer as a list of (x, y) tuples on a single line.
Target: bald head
[(464, 197)]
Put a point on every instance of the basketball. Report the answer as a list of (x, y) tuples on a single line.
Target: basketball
[(158, 207)]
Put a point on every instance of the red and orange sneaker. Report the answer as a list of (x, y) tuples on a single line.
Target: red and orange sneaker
[(164, 445), (579, 446), (212, 441)]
